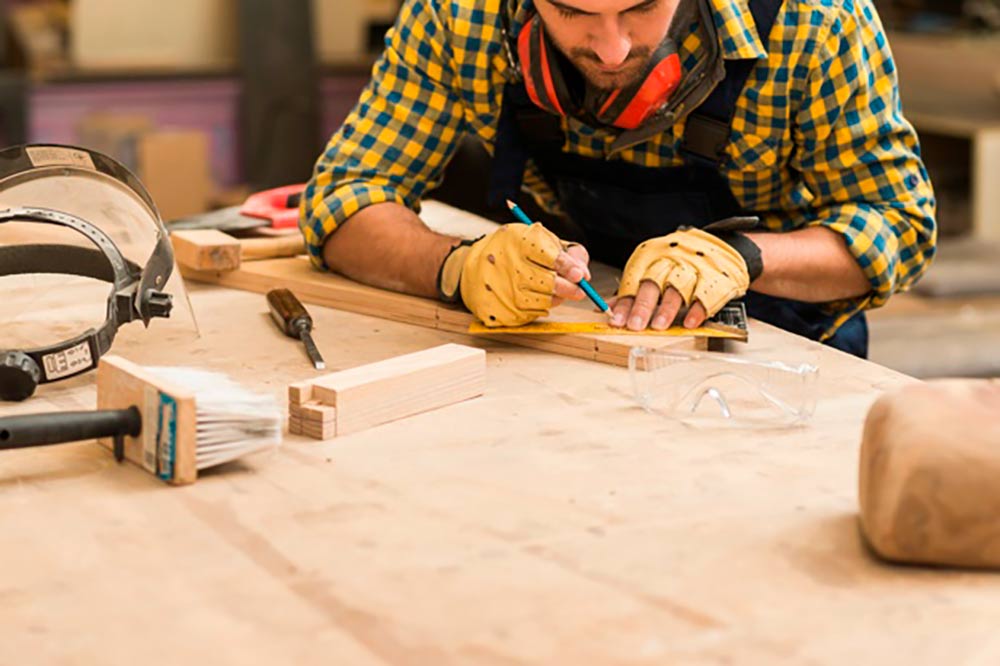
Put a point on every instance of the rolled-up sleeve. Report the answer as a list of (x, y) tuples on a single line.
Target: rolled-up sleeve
[(860, 159), (396, 142)]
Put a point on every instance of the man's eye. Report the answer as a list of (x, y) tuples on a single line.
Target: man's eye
[(644, 8), (567, 13)]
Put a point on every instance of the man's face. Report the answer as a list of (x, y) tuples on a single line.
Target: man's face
[(609, 41)]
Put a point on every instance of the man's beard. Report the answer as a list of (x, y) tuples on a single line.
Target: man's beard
[(589, 65)]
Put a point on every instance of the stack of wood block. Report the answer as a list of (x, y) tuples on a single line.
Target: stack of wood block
[(310, 418), (353, 400)]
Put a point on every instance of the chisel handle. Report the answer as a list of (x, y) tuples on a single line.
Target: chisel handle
[(289, 313), (252, 249)]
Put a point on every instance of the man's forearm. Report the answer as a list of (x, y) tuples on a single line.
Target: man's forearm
[(812, 265), (387, 246)]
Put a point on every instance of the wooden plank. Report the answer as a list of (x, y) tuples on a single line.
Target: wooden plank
[(330, 290), (389, 390), (360, 548), (206, 250)]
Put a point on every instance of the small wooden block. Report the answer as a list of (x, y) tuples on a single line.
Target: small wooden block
[(300, 393), (321, 432), (206, 250), (381, 392), (318, 413)]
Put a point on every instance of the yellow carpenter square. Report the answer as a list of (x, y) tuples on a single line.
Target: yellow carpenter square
[(596, 328)]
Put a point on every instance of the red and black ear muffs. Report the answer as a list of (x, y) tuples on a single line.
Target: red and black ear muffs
[(626, 108)]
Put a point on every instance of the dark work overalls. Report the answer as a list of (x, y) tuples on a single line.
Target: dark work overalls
[(617, 205)]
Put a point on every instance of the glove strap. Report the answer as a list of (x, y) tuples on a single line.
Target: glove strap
[(728, 231), (450, 274)]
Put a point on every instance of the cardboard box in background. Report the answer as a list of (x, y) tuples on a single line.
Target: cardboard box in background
[(201, 34), (173, 164), (154, 34)]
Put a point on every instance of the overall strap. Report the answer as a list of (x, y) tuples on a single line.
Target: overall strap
[(708, 128)]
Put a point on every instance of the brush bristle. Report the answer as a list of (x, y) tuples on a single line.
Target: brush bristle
[(232, 421)]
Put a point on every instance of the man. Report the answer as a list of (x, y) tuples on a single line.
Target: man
[(650, 125)]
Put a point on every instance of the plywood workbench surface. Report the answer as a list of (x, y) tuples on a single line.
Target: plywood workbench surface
[(550, 522)]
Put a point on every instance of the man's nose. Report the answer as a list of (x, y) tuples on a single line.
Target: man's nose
[(611, 43)]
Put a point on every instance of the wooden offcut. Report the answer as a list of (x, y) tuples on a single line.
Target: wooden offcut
[(353, 400), (214, 250), (206, 250)]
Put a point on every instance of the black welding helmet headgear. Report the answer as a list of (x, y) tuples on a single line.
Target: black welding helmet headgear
[(68, 211)]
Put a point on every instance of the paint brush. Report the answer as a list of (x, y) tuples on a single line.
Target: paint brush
[(173, 422), (587, 289)]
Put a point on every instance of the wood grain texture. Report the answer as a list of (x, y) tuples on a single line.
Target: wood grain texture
[(930, 462), (206, 250), (551, 521)]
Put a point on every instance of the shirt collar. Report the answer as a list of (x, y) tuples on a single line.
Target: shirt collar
[(737, 30)]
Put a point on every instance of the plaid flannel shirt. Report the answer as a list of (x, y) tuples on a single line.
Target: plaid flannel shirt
[(818, 139)]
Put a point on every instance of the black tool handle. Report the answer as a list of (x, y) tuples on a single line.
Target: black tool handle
[(289, 313), (20, 432)]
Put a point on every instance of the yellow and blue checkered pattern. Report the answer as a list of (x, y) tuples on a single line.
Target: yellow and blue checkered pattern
[(819, 137)]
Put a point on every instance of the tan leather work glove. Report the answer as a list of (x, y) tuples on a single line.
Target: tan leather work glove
[(507, 278), (700, 266)]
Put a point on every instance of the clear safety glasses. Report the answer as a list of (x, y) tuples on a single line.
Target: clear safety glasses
[(715, 389)]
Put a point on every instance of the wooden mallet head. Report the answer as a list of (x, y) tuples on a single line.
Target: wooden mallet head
[(930, 474)]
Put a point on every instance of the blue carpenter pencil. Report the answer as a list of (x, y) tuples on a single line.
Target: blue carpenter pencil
[(587, 289)]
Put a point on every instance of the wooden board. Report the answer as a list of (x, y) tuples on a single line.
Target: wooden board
[(326, 289), (206, 250), (214, 250), (330, 290), (564, 524), (370, 395)]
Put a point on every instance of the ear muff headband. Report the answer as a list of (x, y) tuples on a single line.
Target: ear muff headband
[(627, 108), (543, 77)]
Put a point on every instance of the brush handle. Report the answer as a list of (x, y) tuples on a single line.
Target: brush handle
[(20, 432)]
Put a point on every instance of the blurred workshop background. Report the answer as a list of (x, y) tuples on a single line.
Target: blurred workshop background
[(208, 100)]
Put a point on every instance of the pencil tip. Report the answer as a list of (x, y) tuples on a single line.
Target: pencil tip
[(511, 204)]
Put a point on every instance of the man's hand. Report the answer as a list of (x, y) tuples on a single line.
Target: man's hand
[(690, 267), (515, 275)]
